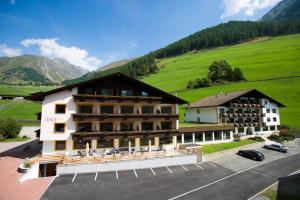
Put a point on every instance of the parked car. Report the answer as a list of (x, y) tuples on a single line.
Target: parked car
[(277, 147), (252, 154)]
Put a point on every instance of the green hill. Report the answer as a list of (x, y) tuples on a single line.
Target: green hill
[(275, 58)]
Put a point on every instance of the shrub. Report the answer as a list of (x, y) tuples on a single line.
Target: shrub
[(275, 138), (257, 138), (286, 136), (27, 163), (284, 126), (236, 137), (10, 128), (1, 137)]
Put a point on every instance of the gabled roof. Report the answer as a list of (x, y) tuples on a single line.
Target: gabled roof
[(221, 99), (40, 95)]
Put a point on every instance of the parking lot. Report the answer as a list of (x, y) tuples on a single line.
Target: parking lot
[(156, 183), (167, 182)]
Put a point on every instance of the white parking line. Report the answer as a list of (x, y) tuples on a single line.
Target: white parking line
[(153, 172), (184, 168), (199, 166), (74, 177), (96, 175), (135, 173), (117, 175), (169, 169), (212, 164)]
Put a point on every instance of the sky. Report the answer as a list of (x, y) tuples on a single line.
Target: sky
[(92, 33)]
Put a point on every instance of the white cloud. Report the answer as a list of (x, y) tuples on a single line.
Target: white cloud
[(133, 45), (10, 52), (248, 7), (76, 56)]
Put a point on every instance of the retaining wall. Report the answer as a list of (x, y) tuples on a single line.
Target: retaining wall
[(127, 165)]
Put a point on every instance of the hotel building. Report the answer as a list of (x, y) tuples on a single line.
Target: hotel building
[(107, 113), (249, 111)]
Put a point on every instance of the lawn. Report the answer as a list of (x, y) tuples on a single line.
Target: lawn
[(17, 139), (19, 110), (213, 148), (6, 89)]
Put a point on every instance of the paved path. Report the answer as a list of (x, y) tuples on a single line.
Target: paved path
[(10, 159)]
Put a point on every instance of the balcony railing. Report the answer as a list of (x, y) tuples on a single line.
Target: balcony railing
[(122, 134), (103, 98), (246, 105), (97, 117), (242, 114), (249, 124)]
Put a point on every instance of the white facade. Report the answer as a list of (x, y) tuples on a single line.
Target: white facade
[(49, 118), (206, 115)]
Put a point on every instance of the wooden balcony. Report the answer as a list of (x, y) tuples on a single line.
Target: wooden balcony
[(246, 105), (123, 134), (242, 114), (115, 99), (245, 124), (102, 117)]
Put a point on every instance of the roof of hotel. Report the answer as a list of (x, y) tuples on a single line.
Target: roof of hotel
[(221, 99), (118, 75)]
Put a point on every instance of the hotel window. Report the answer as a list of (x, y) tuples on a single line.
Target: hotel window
[(222, 110), (126, 109), (198, 119), (147, 109), (268, 110), (257, 129), (81, 144), (272, 128), (59, 127), (166, 125), (60, 108), (166, 109), (265, 128), (146, 141), (85, 109), (218, 135), (166, 140), (188, 138), (273, 110), (226, 135), (107, 92), (208, 136), (86, 90), (240, 110), (179, 139), (147, 126), (268, 119), (144, 94), (125, 142), (126, 92), (84, 127), (198, 111), (274, 119), (198, 137), (266, 102), (105, 143), (60, 145), (107, 109), (241, 130), (127, 126), (104, 127)]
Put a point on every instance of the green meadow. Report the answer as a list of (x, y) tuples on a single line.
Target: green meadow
[(8, 89), (276, 58)]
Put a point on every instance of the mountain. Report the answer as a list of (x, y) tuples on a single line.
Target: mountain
[(93, 74), (114, 64), (284, 10), (33, 68)]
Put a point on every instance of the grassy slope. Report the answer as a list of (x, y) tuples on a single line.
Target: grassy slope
[(19, 110), (278, 57), (22, 90)]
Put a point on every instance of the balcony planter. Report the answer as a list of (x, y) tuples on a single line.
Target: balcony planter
[(24, 166)]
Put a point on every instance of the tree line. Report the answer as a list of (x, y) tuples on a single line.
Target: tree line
[(229, 33), (219, 73)]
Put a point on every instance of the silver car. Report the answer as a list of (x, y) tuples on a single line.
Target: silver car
[(277, 147)]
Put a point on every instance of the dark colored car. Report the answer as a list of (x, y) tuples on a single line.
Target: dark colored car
[(252, 154), (277, 147)]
